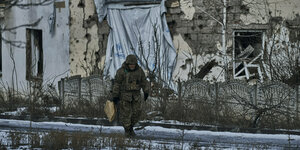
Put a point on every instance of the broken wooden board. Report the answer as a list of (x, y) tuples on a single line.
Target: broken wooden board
[(247, 52), (60, 5)]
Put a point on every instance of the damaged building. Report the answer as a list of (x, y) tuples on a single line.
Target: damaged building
[(219, 40), (34, 43), (214, 40)]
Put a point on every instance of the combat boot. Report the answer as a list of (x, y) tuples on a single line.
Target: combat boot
[(127, 133), (131, 132)]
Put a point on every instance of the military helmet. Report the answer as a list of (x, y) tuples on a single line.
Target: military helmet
[(131, 59)]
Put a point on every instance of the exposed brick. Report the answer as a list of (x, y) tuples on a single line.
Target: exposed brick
[(174, 10), (197, 3), (198, 22), (169, 19), (207, 38), (104, 29), (182, 30), (100, 46), (100, 36), (104, 45), (172, 3), (207, 30), (194, 36), (200, 33), (212, 22), (187, 23), (190, 29)]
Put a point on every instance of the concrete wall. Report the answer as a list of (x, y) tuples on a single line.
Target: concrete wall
[(55, 47), (84, 39), (197, 35), (260, 12), (79, 43)]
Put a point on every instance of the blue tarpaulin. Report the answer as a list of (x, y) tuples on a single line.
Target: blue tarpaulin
[(141, 30)]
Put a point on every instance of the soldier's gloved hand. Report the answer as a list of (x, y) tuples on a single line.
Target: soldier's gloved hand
[(116, 100), (146, 96)]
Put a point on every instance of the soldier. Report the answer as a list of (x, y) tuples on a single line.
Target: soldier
[(129, 80)]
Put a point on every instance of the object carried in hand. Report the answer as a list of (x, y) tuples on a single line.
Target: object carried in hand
[(116, 100), (110, 110)]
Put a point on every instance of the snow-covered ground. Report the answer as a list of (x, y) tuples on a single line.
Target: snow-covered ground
[(163, 137), (150, 137), (15, 113)]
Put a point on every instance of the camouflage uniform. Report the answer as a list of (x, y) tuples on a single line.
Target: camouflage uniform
[(127, 86)]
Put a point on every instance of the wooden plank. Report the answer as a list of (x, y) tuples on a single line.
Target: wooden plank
[(244, 54), (60, 4)]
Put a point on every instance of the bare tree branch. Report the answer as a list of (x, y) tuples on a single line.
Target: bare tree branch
[(23, 25), (22, 5)]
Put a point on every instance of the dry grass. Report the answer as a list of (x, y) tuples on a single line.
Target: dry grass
[(84, 108), (169, 108)]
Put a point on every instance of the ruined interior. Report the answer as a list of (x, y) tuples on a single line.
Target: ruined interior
[(248, 50)]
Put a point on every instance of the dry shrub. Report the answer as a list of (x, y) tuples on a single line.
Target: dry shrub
[(35, 140), (55, 140), (275, 120), (16, 138), (84, 107), (2, 146), (202, 112), (83, 140), (10, 101)]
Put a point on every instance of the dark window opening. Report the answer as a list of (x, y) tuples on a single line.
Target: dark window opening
[(34, 54), (248, 48)]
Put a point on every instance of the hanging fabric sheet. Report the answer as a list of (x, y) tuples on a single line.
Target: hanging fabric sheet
[(141, 30)]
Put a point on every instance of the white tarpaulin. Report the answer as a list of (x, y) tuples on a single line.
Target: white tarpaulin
[(141, 30)]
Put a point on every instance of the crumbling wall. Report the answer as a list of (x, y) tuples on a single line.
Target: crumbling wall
[(197, 23), (281, 54), (192, 27), (262, 11), (55, 43), (84, 39), (196, 29)]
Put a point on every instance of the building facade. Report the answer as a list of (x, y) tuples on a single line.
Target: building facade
[(35, 43), (215, 40)]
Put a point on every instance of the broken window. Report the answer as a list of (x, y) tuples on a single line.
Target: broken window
[(34, 54), (247, 54)]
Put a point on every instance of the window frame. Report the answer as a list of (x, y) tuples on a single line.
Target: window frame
[(234, 62), (34, 34)]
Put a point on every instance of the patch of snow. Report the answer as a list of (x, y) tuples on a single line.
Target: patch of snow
[(159, 137), (15, 113)]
